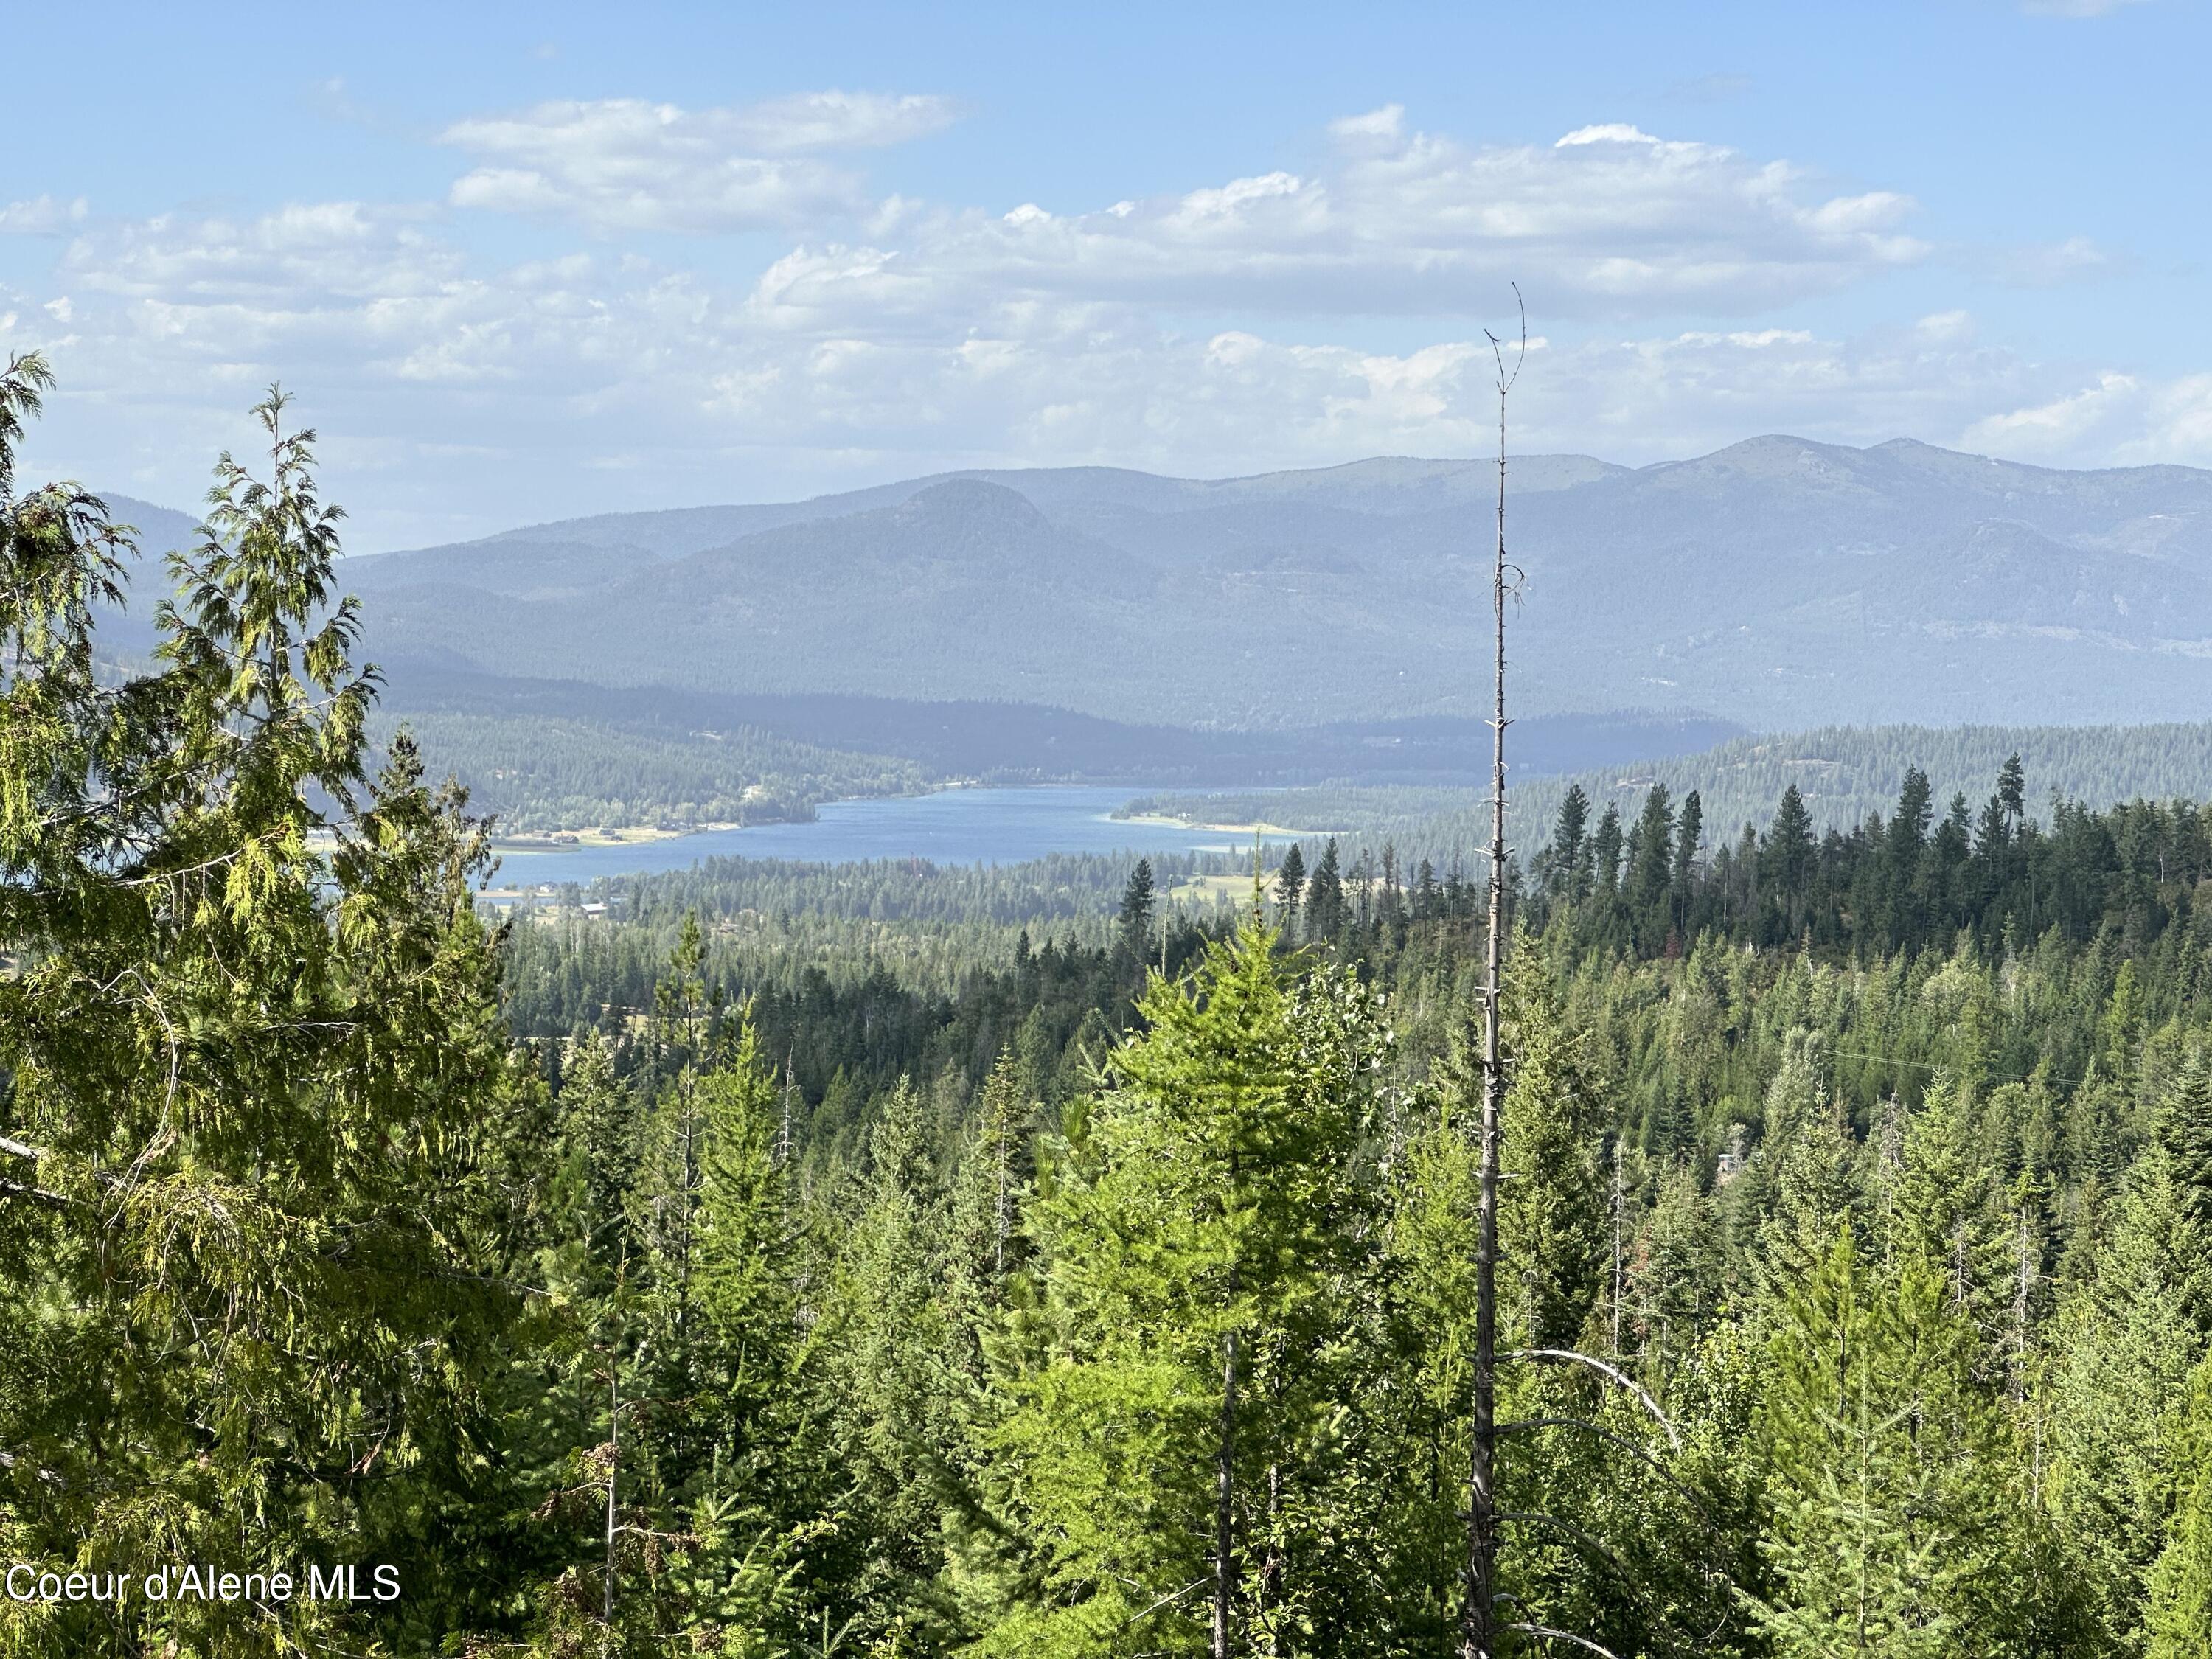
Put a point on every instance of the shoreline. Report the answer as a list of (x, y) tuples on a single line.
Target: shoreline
[(1266, 830), (524, 843), (606, 835)]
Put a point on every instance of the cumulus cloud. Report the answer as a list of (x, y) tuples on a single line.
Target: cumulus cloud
[(2123, 420), (624, 164), (1609, 221), (341, 250), (568, 383), (458, 396)]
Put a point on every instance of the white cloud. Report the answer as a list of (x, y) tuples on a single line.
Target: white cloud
[(455, 401), (458, 396), (1608, 221), (42, 216), (1946, 327), (837, 120), (2119, 420), (2042, 264), (1648, 400), (623, 164), (2073, 7), (1610, 133), (336, 251), (1383, 129)]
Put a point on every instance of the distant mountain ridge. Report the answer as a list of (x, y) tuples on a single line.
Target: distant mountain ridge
[(1777, 582)]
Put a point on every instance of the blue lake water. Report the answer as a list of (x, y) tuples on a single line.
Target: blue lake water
[(955, 826)]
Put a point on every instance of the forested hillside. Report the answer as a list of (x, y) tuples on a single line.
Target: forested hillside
[(1842, 774), (745, 1273), (1777, 583), (537, 774), (558, 753)]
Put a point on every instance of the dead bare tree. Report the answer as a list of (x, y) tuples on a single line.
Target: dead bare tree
[(1480, 1626), (1478, 1618)]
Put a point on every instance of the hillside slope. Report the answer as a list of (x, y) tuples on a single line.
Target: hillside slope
[(1777, 583)]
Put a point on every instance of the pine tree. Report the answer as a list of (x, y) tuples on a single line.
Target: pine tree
[(1786, 857), (1325, 906), (1569, 851), (1553, 1222), (991, 1195), (1290, 889), (1651, 874), (2129, 1337), (1882, 1535), (2012, 792), (1201, 1230), (1137, 912), (1688, 833), (1605, 854), (893, 1388), (2180, 1622), (1943, 1214), (598, 1138), (1675, 1277)]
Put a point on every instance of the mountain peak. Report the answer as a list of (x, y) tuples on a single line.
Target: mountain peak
[(969, 505)]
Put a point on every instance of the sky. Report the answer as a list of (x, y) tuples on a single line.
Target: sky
[(522, 263)]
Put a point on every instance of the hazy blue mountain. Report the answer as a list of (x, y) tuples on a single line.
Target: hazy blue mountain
[(129, 631), (160, 529), (1775, 583)]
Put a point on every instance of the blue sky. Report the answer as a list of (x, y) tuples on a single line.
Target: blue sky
[(519, 263)]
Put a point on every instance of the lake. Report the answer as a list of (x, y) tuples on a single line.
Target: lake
[(954, 826)]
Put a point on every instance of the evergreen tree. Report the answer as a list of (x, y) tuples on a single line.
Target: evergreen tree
[(599, 1142), (1290, 889), (894, 1390), (1325, 905), (1943, 1214), (1674, 1278), (1883, 1535), (1605, 854), (1688, 833), (1552, 1216), (2012, 792), (261, 1290), (1137, 912), (1568, 852), (1651, 874), (1196, 1252), (2180, 1622), (1785, 858)]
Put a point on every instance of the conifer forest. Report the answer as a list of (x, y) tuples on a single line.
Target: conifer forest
[(1040, 1262)]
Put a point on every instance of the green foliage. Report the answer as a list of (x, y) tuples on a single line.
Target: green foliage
[(1842, 774), (256, 1094), (1195, 1253), (539, 773), (2180, 1619), (895, 1260), (1880, 1452)]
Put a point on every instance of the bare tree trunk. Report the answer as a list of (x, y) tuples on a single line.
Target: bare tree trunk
[(1477, 1615), (613, 1462), (1619, 1271), (1225, 1493)]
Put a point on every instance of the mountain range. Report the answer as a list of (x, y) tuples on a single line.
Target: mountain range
[(1775, 583)]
